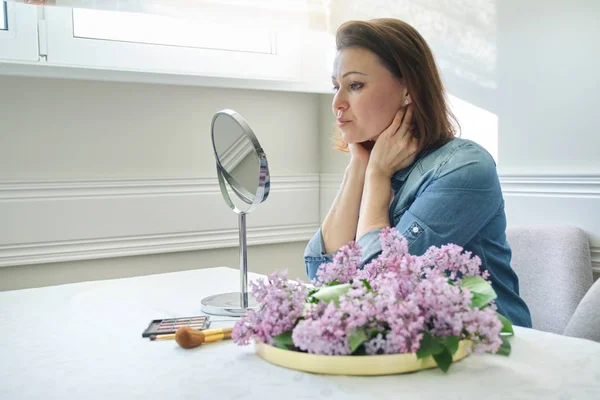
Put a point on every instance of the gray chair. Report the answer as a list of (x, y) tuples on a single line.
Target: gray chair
[(554, 269), (585, 322)]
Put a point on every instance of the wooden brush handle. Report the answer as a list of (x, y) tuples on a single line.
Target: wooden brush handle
[(188, 338), (225, 331)]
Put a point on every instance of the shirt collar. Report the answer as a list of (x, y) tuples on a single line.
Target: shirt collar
[(400, 176)]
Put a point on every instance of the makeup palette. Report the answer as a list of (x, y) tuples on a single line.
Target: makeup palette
[(170, 325)]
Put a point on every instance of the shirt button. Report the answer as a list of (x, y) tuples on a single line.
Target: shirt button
[(415, 229)]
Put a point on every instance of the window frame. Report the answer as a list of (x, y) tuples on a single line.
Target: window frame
[(19, 42), (65, 49), (4, 19)]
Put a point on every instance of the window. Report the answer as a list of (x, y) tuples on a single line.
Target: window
[(168, 31), (18, 32), (132, 42), (211, 46)]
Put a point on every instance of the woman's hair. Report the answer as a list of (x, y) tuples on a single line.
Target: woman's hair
[(404, 52)]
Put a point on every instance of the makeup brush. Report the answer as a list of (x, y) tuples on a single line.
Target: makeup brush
[(188, 338)]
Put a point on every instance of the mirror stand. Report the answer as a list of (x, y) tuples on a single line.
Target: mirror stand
[(243, 261), (235, 303)]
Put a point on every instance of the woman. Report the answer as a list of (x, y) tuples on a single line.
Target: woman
[(406, 167)]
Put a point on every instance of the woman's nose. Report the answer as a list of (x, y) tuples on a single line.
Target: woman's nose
[(339, 104)]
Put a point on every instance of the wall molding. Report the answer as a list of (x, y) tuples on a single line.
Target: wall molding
[(39, 253), (563, 185), (235, 153), (23, 190), (79, 220), (556, 198), (47, 220), (575, 184)]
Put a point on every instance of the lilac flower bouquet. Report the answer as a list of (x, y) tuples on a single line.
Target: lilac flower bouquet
[(398, 303)]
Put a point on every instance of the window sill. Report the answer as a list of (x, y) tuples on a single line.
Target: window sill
[(47, 70)]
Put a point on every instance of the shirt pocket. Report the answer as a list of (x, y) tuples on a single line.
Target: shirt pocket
[(413, 231)]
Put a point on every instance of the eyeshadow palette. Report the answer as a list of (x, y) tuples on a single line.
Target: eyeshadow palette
[(170, 325)]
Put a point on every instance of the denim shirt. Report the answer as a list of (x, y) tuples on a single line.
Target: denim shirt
[(448, 195)]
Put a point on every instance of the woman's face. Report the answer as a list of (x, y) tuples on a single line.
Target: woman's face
[(367, 95)]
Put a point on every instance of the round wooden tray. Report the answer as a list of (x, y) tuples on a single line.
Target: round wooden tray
[(385, 364)]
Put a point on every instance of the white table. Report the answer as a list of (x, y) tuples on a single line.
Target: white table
[(83, 341)]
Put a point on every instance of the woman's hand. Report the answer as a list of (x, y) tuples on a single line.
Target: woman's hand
[(359, 155), (395, 148)]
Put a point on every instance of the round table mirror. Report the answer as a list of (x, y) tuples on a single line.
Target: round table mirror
[(243, 175)]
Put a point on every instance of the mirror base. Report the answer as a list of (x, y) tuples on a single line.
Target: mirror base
[(227, 304)]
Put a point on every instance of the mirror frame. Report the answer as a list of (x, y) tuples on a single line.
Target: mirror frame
[(263, 188)]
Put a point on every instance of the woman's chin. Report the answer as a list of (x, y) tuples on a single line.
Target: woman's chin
[(352, 139)]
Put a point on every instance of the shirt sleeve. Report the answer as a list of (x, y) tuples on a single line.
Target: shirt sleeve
[(453, 207), (314, 254)]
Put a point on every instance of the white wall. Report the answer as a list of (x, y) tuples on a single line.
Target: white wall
[(547, 69), (262, 259), (90, 170), (548, 64), (56, 129)]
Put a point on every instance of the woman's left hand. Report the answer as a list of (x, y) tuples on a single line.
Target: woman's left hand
[(395, 148)]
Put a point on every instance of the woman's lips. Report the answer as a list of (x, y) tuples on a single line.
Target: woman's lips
[(342, 122)]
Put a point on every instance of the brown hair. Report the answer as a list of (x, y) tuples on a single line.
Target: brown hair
[(404, 52)]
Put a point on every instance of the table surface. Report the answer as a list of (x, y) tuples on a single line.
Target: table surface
[(84, 340)]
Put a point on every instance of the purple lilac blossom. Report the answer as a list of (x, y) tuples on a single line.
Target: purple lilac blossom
[(324, 335), (405, 296), (282, 303), (454, 262), (343, 267)]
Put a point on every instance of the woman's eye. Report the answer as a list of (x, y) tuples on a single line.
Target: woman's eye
[(356, 86), (335, 88)]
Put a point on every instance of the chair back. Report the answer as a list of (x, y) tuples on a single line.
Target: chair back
[(554, 269), (585, 322)]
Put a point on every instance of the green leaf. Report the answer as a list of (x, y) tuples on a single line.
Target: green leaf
[(440, 348), (367, 285), (310, 299), (481, 289), (331, 293), (443, 359), (506, 325), (430, 345), (481, 300), (333, 283), (477, 284), (284, 340), (451, 343), (374, 332), (356, 337), (505, 348)]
